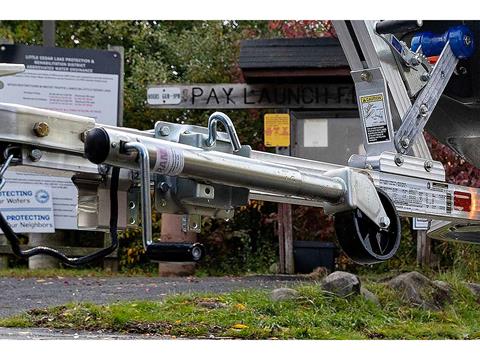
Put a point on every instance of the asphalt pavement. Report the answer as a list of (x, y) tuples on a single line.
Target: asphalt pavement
[(21, 294), (18, 295)]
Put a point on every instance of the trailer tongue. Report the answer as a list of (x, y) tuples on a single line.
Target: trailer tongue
[(198, 171)]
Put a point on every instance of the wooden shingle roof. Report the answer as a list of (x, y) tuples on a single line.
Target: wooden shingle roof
[(292, 58)]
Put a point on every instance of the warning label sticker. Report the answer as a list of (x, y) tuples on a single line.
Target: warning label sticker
[(169, 161), (418, 195), (374, 118)]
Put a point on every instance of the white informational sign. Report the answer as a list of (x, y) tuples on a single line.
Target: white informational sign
[(27, 208), (164, 96), (315, 133), (64, 195), (76, 81)]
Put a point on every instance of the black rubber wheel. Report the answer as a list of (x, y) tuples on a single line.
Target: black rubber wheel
[(362, 240)]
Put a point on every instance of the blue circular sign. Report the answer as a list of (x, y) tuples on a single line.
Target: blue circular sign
[(42, 196)]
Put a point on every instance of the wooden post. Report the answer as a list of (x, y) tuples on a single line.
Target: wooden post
[(424, 249), (48, 33), (285, 230), (3, 258), (50, 240), (109, 264), (172, 232), (285, 239), (288, 238), (281, 239), (121, 51)]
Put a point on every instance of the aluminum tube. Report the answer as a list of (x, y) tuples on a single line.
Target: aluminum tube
[(310, 166), (255, 174), (176, 159)]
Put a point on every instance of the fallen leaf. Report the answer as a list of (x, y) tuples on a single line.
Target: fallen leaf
[(240, 307), (239, 326)]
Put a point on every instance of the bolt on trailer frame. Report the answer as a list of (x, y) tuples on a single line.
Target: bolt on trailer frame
[(197, 171)]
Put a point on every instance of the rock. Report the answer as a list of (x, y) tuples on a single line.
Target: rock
[(211, 304), (418, 290), (368, 295), (318, 273), (341, 283), (274, 268), (282, 294), (443, 284), (475, 290)]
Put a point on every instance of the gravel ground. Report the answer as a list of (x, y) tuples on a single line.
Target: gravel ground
[(21, 294)]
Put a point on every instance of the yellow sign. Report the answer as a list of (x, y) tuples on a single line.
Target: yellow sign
[(276, 129)]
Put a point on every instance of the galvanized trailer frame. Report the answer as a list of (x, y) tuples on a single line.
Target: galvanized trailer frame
[(199, 171)]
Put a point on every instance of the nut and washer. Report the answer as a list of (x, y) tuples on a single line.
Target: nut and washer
[(366, 76), (404, 142), (425, 77), (423, 110), (41, 129), (398, 160), (164, 187), (384, 222), (35, 155), (428, 165), (164, 131)]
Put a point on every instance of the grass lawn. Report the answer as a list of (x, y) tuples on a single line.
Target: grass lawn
[(250, 314)]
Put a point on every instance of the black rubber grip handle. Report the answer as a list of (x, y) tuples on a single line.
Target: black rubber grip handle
[(397, 26), (163, 251)]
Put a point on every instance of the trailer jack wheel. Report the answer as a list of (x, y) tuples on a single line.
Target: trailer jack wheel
[(362, 240)]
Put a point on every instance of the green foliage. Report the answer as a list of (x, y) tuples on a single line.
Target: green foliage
[(245, 244)]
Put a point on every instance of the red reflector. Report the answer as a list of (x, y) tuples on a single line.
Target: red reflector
[(433, 59), (462, 201)]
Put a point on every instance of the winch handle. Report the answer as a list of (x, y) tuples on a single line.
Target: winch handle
[(397, 26)]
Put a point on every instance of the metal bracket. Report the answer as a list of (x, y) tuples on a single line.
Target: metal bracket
[(192, 223), (418, 114), (374, 108), (414, 67), (144, 163), (394, 163), (360, 193)]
